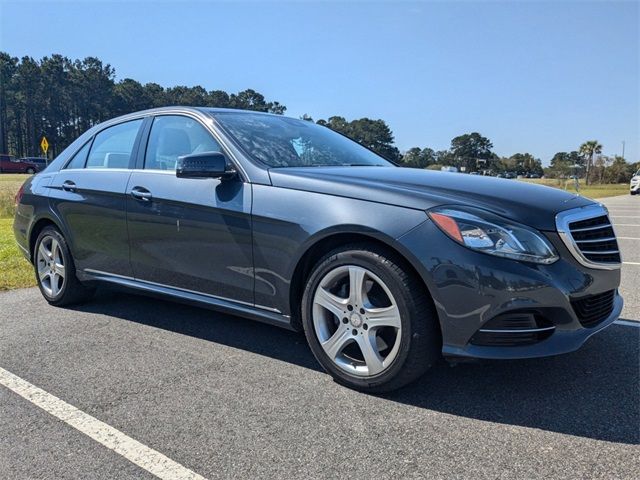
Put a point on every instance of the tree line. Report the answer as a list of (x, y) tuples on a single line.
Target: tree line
[(60, 98), (472, 152), (588, 162)]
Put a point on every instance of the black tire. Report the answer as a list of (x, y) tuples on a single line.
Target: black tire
[(30, 171), (72, 291), (420, 338)]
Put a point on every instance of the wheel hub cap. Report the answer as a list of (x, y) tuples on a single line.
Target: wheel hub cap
[(355, 320)]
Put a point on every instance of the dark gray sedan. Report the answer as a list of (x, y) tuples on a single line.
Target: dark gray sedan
[(290, 223)]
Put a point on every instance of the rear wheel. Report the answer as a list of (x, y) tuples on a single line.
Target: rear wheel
[(55, 270), (369, 321), (30, 171)]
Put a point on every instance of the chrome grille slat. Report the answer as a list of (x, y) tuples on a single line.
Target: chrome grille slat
[(600, 252), (588, 229), (594, 240), (589, 236)]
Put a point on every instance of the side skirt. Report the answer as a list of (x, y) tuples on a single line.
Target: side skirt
[(193, 298)]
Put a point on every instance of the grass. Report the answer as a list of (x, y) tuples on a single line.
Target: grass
[(16, 272), (9, 185), (591, 191)]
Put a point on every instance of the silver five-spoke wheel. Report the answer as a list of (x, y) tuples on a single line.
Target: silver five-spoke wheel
[(50, 264), (357, 320)]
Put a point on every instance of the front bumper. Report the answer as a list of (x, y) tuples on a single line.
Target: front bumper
[(561, 341), (635, 186), (470, 289)]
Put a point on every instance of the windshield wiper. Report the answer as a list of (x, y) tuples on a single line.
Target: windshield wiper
[(319, 165), (363, 165)]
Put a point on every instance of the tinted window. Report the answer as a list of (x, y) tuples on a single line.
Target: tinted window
[(80, 158), (286, 142), (112, 147), (173, 136)]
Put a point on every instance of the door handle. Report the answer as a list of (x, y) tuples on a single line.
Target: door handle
[(69, 186), (141, 193)]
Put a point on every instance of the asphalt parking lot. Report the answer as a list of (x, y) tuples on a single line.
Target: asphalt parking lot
[(223, 397)]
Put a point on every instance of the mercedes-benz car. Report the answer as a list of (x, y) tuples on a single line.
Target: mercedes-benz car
[(385, 269), (634, 186)]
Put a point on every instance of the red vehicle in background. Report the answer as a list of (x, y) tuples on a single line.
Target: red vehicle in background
[(8, 164)]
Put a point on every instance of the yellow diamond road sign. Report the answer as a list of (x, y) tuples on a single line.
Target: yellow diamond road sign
[(44, 145)]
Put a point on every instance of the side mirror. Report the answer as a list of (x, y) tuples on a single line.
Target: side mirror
[(204, 165)]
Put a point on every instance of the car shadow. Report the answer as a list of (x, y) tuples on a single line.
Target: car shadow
[(592, 393)]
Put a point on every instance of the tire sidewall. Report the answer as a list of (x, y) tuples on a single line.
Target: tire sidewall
[(371, 262)]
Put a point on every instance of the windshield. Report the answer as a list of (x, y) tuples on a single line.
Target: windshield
[(287, 142)]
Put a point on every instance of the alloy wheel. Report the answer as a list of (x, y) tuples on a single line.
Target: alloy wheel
[(357, 320), (51, 269)]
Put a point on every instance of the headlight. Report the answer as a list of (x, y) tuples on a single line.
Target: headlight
[(488, 233)]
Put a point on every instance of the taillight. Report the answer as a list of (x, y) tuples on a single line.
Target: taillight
[(18, 196)]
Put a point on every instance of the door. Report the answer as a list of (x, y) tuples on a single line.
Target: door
[(89, 196), (192, 234), (15, 166)]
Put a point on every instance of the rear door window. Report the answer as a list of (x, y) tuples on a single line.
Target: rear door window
[(113, 147)]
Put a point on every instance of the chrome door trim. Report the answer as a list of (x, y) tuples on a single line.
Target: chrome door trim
[(257, 312)]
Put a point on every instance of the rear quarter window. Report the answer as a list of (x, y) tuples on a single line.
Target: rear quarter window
[(80, 158)]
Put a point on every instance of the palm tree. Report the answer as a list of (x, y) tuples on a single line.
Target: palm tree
[(588, 150)]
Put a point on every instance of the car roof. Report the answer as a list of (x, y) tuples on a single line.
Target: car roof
[(208, 111)]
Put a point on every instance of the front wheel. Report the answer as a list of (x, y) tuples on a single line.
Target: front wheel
[(369, 320), (55, 270), (30, 171)]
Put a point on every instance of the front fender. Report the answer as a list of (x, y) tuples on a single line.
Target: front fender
[(287, 222)]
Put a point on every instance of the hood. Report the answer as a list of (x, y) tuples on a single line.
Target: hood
[(527, 203)]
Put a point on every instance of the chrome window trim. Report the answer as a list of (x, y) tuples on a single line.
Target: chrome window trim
[(204, 119), (563, 219)]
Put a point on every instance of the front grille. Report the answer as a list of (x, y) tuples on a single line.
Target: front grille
[(594, 309), (595, 239)]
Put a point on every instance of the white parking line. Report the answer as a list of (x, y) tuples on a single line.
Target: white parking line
[(628, 323), (625, 224), (152, 461), (627, 238), (631, 263)]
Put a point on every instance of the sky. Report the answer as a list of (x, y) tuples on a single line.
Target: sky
[(537, 77)]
